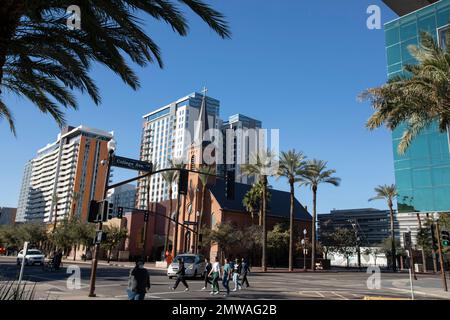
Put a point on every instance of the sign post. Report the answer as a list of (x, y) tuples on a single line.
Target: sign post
[(24, 251)]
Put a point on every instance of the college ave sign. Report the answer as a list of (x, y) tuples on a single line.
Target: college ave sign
[(132, 164)]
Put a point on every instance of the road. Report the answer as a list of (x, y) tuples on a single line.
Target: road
[(112, 283)]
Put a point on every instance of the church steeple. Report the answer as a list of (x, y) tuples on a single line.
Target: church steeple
[(202, 122)]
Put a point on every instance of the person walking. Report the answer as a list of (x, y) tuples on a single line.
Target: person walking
[(215, 273), (138, 282), (227, 276), (207, 271), (181, 273), (236, 273), (245, 270)]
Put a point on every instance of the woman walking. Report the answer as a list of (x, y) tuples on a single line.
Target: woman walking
[(215, 273)]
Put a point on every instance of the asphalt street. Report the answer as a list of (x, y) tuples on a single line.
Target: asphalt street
[(112, 284)]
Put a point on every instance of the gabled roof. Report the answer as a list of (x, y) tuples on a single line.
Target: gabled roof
[(279, 205)]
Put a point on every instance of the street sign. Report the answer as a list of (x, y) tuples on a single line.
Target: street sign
[(190, 223), (132, 164)]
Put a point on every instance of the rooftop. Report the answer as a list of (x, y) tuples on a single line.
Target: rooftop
[(279, 205), (404, 7)]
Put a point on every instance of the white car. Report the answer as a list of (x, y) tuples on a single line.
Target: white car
[(194, 265), (33, 256)]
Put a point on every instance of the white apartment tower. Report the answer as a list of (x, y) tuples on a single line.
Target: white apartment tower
[(66, 175), (167, 134)]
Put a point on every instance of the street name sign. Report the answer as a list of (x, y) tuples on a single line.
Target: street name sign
[(132, 164)]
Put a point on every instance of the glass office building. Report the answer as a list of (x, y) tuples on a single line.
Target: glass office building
[(423, 172)]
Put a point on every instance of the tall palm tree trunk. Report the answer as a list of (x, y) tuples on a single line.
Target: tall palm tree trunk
[(291, 229), (200, 218), (313, 230), (166, 242), (394, 253), (264, 225)]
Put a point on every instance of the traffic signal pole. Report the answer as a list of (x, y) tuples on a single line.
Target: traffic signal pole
[(99, 229), (441, 257)]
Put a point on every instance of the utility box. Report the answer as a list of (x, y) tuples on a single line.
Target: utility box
[(418, 267)]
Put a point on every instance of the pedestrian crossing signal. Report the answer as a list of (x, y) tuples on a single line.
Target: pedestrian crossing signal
[(119, 212), (94, 210), (445, 236), (183, 182)]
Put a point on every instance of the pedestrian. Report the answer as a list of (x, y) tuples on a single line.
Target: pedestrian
[(215, 273), (57, 259), (245, 270), (208, 267), (138, 282), (236, 273), (181, 273), (227, 275)]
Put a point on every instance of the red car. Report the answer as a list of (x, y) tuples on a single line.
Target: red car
[(2, 251)]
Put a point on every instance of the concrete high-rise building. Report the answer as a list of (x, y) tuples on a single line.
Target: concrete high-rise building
[(24, 192), (372, 225), (7, 216), (246, 139), (167, 135), (423, 173), (123, 196), (72, 165)]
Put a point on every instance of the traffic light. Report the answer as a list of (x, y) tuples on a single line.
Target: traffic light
[(107, 211), (94, 208), (183, 182), (119, 212), (230, 185), (146, 216), (407, 240), (445, 236), (433, 238)]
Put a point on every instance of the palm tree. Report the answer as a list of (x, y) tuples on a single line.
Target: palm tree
[(417, 99), (316, 173), (292, 167), (42, 59), (262, 165), (251, 201), (389, 193), (55, 200), (204, 175)]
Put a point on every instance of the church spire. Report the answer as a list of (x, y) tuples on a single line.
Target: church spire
[(202, 122)]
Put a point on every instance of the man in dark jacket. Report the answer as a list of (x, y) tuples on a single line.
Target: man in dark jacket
[(208, 267), (245, 269), (181, 276), (138, 282)]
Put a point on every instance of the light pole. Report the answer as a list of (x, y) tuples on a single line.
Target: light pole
[(305, 232), (441, 256), (111, 149)]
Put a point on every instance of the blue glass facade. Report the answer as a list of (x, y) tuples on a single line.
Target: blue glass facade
[(423, 173)]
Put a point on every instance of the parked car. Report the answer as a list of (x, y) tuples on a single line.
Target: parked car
[(32, 257), (193, 263)]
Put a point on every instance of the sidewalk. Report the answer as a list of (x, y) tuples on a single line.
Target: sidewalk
[(120, 264)]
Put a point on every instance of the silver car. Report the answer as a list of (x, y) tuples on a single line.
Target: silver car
[(194, 265), (32, 257)]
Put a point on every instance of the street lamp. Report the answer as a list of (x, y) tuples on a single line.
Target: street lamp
[(111, 149), (305, 232)]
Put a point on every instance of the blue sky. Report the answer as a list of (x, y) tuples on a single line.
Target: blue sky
[(296, 65)]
